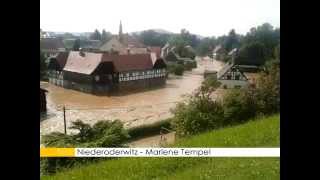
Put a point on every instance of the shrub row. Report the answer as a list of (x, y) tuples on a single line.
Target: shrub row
[(101, 134), (201, 113)]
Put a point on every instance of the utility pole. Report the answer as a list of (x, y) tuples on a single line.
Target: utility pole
[(64, 120)]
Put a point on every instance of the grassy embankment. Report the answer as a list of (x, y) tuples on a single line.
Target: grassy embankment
[(264, 132)]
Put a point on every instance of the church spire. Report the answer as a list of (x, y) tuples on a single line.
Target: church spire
[(120, 32)]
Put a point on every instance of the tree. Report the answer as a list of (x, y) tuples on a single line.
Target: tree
[(95, 35), (232, 41), (153, 38), (252, 53), (76, 45), (105, 36), (266, 35), (200, 112), (206, 46)]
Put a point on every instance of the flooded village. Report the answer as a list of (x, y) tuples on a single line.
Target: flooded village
[(123, 79), (133, 109)]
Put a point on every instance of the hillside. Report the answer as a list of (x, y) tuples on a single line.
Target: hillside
[(264, 132)]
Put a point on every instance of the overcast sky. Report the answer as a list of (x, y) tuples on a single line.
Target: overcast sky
[(203, 17)]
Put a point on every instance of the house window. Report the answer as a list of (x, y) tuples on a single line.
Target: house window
[(229, 77), (237, 77)]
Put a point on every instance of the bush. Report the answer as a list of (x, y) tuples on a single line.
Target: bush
[(151, 129), (190, 65), (199, 112), (178, 69), (268, 88), (239, 106), (261, 98), (197, 116), (101, 134)]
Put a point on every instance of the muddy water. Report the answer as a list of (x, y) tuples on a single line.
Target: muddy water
[(132, 109)]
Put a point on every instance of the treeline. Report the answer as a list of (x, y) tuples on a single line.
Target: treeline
[(255, 47)]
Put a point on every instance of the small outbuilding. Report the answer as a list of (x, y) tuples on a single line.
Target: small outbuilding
[(231, 76), (43, 100)]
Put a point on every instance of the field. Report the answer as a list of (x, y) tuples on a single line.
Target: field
[(263, 132)]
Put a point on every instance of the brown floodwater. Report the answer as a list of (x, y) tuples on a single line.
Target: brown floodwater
[(132, 109)]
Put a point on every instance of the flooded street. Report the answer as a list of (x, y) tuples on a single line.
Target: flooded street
[(132, 109)]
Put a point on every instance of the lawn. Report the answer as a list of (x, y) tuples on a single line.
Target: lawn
[(263, 132)]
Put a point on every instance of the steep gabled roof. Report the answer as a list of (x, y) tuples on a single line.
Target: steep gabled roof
[(224, 69), (127, 42), (156, 50), (59, 61), (233, 52), (85, 64), (217, 48), (227, 67)]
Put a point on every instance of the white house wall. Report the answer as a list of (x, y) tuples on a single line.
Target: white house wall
[(233, 83)]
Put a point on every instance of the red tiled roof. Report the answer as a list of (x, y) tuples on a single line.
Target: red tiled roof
[(129, 62), (85, 64), (90, 61), (156, 50)]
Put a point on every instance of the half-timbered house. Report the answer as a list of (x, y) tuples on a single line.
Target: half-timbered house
[(231, 76), (106, 72)]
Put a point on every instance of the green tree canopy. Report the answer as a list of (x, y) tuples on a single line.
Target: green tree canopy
[(76, 45), (95, 35), (252, 54), (153, 38), (105, 36)]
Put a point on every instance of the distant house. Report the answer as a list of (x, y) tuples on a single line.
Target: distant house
[(168, 53), (43, 101), (233, 52), (106, 72), (217, 52), (231, 76), (51, 46), (124, 44), (165, 50)]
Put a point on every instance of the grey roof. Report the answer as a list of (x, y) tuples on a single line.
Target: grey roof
[(233, 51), (224, 69), (217, 48)]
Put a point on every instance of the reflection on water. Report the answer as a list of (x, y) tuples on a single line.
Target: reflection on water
[(132, 109)]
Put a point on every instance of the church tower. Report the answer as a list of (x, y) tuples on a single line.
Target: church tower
[(120, 32)]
